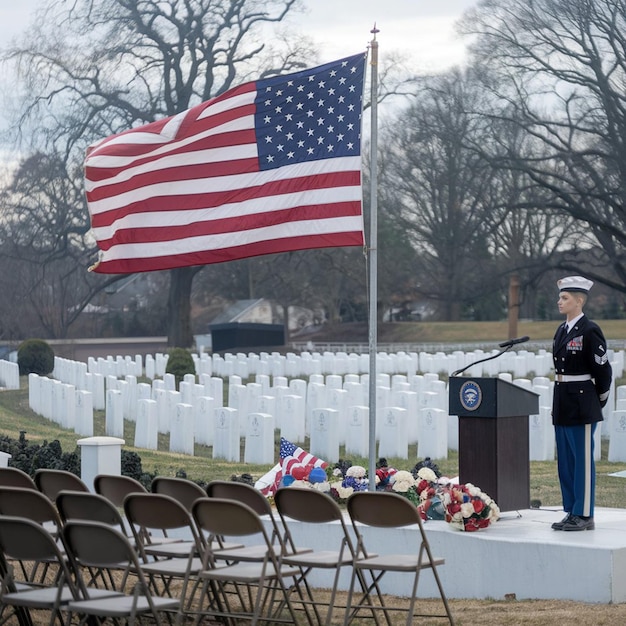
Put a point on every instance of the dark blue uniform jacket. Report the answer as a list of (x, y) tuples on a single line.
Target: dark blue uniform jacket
[(582, 351)]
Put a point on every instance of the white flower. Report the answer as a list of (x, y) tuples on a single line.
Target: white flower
[(473, 491), (467, 509), (343, 492), (494, 511), (337, 472), (403, 481), (323, 487), (427, 474), (301, 484), (356, 471)]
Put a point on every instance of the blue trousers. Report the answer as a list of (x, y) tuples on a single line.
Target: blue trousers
[(576, 467)]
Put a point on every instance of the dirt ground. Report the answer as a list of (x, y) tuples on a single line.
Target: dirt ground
[(509, 612)]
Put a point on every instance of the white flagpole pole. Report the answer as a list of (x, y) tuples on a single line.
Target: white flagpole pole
[(373, 262)]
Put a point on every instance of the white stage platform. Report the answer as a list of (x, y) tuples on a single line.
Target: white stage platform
[(516, 555)]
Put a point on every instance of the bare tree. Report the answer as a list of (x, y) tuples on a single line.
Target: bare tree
[(558, 68), (44, 248), (439, 189), (96, 67)]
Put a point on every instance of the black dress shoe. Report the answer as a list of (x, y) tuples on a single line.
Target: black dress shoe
[(576, 522), (559, 525)]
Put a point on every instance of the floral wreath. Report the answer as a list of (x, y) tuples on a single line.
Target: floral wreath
[(464, 506)]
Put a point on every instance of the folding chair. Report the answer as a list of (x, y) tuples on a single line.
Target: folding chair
[(95, 545), (389, 510), (184, 491), (156, 515), (115, 487), (50, 482), (259, 581), (310, 508), (13, 477), (87, 506), (84, 505), (35, 506), (241, 492), (24, 540), (151, 513)]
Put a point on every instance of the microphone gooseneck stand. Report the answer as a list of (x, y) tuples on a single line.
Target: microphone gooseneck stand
[(507, 345)]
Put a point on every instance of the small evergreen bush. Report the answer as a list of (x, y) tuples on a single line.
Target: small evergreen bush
[(179, 363), (35, 356)]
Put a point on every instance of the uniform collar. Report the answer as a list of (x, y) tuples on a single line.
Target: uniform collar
[(570, 325)]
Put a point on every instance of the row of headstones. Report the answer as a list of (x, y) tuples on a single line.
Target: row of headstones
[(541, 432), (409, 412), (289, 403), (9, 375), (294, 365)]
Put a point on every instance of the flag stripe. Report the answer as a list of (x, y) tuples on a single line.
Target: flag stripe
[(290, 178), (223, 240), (227, 211), (214, 226), (273, 159), (230, 253)]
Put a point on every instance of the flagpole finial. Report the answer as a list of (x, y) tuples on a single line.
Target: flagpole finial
[(374, 30)]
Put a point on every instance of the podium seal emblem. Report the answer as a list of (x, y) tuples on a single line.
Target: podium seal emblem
[(470, 395)]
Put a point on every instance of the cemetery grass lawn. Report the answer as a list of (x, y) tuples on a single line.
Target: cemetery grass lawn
[(15, 416)]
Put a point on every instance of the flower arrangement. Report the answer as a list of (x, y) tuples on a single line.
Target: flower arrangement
[(347, 479), (465, 507)]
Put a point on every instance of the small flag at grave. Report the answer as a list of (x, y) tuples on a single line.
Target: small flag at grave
[(293, 459)]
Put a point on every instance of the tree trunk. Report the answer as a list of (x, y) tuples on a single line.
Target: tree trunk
[(179, 308)]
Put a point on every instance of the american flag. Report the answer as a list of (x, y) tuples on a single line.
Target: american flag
[(270, 166), (290, 456)]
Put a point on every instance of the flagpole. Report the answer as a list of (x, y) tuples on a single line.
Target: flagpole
[(373, 261)]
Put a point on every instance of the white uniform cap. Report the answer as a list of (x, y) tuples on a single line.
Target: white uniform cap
[(575, 283)]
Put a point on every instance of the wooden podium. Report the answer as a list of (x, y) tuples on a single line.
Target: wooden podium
[(493, 437)]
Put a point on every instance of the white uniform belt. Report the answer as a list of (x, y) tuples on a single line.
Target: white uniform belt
[(567, 378)]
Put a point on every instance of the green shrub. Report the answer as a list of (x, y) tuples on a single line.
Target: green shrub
[(179, 363), (35, 356)]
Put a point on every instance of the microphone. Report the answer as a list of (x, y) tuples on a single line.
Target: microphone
[(513, 342)]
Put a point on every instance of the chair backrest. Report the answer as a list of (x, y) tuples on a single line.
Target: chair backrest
[(149, 512), (86, 506), (310, 507), (115, 487), (14, 477), (51, 481), (184, 491), (23, 539), (307, 505), (220, 516), (231, 490), (94, 544), (29, 504), (382, 509)]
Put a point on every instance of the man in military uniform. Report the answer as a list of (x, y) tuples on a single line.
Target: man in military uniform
[(582, 380)]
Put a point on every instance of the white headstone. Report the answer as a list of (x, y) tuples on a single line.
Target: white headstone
[(146, 429), (392, 433), (325, 434), (433, 433), (226, 443), (114, 414), (259, 439), (357, 437), (181, 429)]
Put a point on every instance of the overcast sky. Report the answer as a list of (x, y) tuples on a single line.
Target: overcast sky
[(421, 28)]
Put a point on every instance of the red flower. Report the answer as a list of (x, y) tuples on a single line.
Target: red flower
[(479, 505)]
